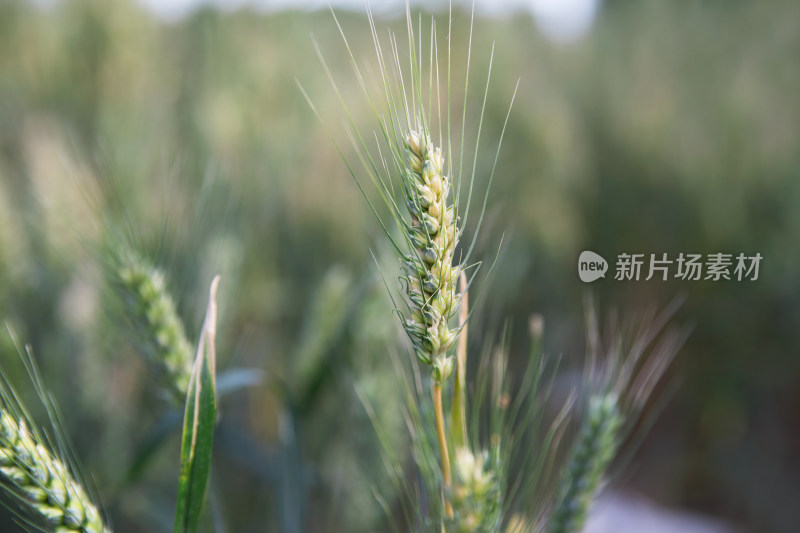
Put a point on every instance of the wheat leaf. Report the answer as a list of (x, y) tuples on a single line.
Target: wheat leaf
[(198, 425)]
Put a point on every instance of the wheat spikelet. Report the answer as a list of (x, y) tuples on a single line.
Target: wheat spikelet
[(43, 481), (590, 457), (143, 291), (475, 494)]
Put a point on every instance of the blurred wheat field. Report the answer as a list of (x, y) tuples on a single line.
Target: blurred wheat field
[(670, 127)]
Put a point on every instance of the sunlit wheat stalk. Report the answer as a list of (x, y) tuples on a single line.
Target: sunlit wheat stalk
[(430, 272)]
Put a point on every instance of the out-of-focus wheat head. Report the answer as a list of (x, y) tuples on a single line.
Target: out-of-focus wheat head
[(475, 494), (158, 330), (594, 448), (623, 368)]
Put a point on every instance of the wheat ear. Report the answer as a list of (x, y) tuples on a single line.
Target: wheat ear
[(431, 275), (42, 481), (590, 457), (147, 302)]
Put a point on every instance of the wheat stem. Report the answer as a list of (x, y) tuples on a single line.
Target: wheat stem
[(458, 414), (440, 433)]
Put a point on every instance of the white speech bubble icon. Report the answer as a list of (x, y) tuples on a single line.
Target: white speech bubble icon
[(591, 266)]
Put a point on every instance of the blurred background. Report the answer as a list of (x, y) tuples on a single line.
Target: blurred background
[(646, 127)]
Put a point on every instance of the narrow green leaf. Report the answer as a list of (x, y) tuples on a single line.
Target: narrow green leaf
[(198, 424)]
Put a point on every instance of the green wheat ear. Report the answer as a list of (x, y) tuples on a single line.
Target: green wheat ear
[(42, 481), (588, 461), (38, 480), (430, 273), (159, 331), (622, 372)]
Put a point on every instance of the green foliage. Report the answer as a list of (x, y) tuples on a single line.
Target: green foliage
[(198, 425)]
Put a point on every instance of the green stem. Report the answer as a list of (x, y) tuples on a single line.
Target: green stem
[(440, 432), (458, 413)]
